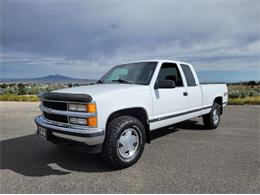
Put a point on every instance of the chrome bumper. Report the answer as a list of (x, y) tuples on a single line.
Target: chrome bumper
[(89, 136)]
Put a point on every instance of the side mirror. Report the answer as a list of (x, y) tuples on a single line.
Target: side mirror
[(164, 84)]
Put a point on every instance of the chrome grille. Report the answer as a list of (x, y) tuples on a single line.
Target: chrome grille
[(55, 105), (55, 117)]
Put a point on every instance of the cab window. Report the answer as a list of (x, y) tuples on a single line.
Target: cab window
[(188, 75), (170, 71)]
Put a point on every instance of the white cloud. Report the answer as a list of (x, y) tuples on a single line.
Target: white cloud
[(63, 37)]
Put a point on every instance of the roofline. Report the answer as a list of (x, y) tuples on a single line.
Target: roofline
[(156, 60)]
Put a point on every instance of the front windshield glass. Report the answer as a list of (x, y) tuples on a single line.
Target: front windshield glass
[(136, 73)]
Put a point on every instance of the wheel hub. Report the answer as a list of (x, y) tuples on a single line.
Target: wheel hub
[(215, 116), (128, 143)]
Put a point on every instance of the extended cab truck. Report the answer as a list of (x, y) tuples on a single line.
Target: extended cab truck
[(116, 115)]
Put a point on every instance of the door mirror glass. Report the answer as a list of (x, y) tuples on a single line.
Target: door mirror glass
[(165, 84)]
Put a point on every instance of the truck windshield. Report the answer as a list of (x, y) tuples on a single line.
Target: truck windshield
[(133, 73)]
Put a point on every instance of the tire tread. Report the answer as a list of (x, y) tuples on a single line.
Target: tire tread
[(114, 127), (208, 120)]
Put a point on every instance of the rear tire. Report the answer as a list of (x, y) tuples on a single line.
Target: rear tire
[(212, 120), (124, 142)]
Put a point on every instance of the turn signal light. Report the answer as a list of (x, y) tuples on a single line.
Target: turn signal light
[(91, 108), (92, 121)]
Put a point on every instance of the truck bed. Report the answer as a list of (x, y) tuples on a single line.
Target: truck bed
[(210, 91), (209, 83)]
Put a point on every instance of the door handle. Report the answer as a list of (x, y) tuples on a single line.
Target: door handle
[(185, 93)]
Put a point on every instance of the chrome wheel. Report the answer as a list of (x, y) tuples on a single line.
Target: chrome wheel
[(215, 116), (128, 143)]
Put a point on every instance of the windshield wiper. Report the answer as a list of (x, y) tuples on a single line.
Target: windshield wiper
[(100, 82), (123, 81)]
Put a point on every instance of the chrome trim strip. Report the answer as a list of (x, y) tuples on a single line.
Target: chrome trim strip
[(179, 114), (65, 125), (67, 113)]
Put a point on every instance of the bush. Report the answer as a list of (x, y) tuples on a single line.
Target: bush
[(10, 90), (22, 91), (250, 83), (244, 101), (243, 93)]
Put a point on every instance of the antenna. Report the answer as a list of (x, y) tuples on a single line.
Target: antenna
[(86, 72)]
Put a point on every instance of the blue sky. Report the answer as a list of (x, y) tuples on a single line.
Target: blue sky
[(85, 38)]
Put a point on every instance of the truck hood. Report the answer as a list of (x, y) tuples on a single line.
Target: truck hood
[(101, 90)]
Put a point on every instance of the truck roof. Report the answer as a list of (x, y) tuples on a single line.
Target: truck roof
[(157, 60)]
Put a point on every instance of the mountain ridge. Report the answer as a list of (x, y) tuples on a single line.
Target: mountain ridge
[(52, 78)]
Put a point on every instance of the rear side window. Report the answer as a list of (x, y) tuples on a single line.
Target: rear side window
[(188, 75)]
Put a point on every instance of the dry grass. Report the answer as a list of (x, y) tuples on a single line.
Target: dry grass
[(19, 98)]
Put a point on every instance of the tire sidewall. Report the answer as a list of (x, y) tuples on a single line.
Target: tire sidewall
[(115, 128), (215, 107)]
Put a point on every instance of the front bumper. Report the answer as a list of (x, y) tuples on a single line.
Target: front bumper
[(74, 133)]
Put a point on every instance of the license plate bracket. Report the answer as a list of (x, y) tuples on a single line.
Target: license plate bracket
[(42, 132)]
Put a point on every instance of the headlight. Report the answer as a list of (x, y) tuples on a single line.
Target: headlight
[(78, 121), (83, 107), (78, 107), (91, 108), (91, 122)]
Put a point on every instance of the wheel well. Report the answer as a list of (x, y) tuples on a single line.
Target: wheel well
[(219, 100), (139, 113)]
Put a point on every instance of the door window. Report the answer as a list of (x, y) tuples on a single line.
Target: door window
[(169, 71)]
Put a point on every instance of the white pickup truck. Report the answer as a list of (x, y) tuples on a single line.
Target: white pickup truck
[(116, 115)]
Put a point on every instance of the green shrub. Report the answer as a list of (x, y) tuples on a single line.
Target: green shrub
[(243, 93), (244, 101)]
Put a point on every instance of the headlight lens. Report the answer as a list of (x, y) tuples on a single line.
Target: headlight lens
[(89, 108), (78, 121), (78, 107)]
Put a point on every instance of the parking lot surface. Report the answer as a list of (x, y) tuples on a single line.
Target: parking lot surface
[(184, 158)]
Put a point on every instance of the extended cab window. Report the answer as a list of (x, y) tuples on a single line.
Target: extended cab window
[(188, 75), (169, 71)]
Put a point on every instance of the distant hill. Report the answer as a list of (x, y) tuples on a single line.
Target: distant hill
[(48, 79)]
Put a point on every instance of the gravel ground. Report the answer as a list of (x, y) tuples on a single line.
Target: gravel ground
[(184, 158)]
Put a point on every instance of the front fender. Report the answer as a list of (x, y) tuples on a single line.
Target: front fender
[(110, 104)]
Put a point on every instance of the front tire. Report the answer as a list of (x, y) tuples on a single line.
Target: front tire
[(212, 120), (124, 142)]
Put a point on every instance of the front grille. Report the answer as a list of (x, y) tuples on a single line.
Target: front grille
[(55, 117), (55, 105)]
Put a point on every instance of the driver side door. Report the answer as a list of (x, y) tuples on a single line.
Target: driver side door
[(168, 103)]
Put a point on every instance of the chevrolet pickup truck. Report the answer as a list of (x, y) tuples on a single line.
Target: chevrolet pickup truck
[(116, 115)]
